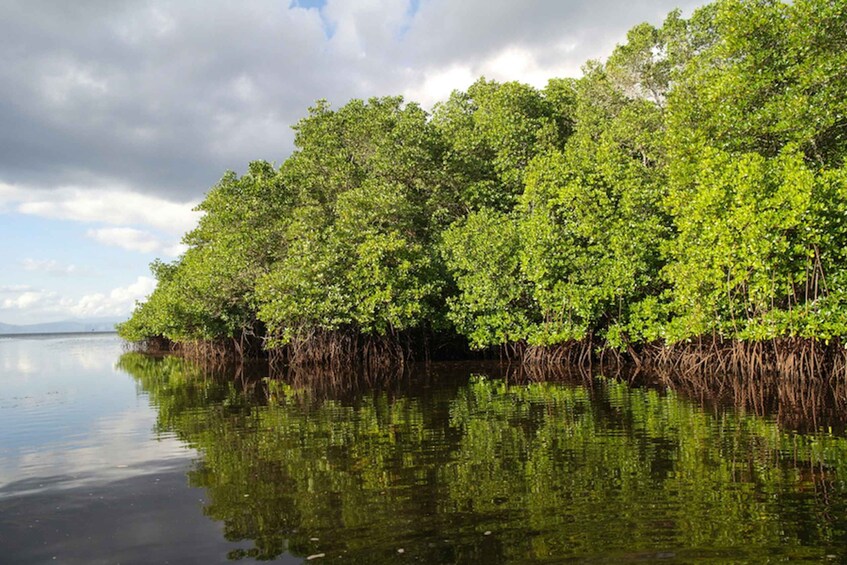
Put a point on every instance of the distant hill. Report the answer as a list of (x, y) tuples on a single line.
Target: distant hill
[(65, 326)]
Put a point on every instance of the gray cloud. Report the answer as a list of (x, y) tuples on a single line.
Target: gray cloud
[(446, 29), (162, 97)]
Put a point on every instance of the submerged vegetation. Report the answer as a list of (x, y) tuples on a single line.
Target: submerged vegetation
[(683, 202)]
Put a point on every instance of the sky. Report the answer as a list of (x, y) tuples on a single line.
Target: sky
[(116, 116)]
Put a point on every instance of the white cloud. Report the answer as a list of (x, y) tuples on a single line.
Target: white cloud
[(14, 288), (101, 205), (523, 62), (126, 238), (28, 299), (9, 196), (50, 305), (174, 250), (513, 62), (132, 239), (437, 84), (118, 302), (50, 266)]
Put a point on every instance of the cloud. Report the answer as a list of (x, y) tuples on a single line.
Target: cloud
[(149, 96), (126, 238), (25, 300), (44, 304), (450, 44), (115, 207), (436, 83), (14, 288), (174, 250), (118, 302), (160, 98), (101, 206), (50, 266), (132, 239)]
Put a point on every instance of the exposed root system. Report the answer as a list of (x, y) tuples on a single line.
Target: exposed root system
[(338, 350), (802, 381), (577, 356)]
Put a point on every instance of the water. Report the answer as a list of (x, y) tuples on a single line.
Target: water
[(111, 457), (84, 475)]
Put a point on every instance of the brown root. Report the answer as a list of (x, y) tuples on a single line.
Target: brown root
[(802, 381)]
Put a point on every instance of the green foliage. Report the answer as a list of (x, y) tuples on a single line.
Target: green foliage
[(360, 244), (758, 242), (755, 134), (493, 131), (591, 217), (208, 292), (493, 305)]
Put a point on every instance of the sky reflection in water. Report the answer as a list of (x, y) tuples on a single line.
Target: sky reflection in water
[(84, 477), (66, 413)]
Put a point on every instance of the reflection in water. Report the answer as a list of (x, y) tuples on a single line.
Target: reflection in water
[(82, 477), (796, 400), (475, 470), (65, 417)]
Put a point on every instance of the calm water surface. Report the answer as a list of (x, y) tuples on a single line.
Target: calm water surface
[(113, 457)]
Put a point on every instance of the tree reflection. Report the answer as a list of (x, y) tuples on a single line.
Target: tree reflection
[(483, 471)]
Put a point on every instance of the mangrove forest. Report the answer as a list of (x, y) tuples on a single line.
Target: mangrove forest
[(682, 205)]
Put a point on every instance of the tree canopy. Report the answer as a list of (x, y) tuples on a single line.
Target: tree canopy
[(692, 184)]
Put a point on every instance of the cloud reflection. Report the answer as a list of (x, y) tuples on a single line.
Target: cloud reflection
[(69, 418)]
